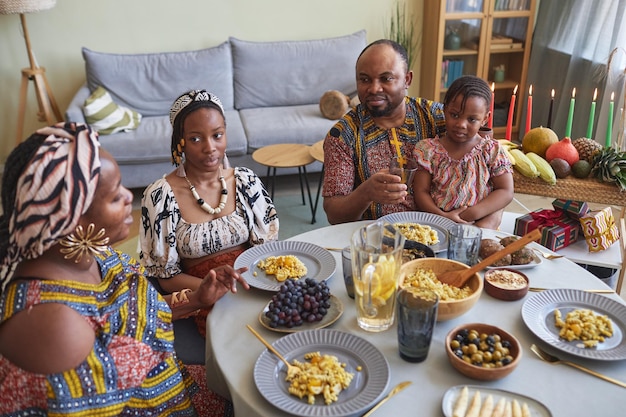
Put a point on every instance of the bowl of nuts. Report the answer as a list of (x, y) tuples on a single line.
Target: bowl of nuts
[(482, 351), (506, 284)]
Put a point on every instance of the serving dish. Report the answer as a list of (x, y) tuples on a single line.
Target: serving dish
[(439, 223), (447, 309), (367, 386), (334, 312), (496, 235), (319, 262), (504, 292), (538, 315), (480, 372), (536, 408)]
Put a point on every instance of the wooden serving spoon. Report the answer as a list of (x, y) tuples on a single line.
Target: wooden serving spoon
[(458, 278)]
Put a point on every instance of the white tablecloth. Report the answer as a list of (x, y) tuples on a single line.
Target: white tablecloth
[(232, 350)]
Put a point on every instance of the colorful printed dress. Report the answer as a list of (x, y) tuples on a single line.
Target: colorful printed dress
[(469, 177), (356, 148), (132, 368)]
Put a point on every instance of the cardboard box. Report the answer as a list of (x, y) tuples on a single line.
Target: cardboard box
[(599, 229), (557, 230), (574, 209)]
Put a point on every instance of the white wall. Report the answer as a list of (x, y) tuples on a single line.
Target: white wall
[(138, 26)]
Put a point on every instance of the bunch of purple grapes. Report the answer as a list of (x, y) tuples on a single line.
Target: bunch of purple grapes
[(298, 301)]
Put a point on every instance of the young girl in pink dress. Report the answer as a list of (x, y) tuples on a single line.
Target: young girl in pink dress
[(464, 176)]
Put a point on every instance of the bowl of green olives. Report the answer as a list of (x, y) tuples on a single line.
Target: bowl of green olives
[(482, 351)]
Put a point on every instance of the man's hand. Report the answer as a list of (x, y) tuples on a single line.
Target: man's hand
[(385, 188)]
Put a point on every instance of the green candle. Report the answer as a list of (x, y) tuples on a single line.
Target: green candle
[(592, 115), (570, 115), (609, 128)]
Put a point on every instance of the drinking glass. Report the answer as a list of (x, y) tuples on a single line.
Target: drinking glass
[(417, 314), (464, 243), (404, 167), (346, 264), (376, 260)]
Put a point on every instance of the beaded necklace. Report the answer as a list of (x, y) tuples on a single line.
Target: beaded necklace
[(203, 205)]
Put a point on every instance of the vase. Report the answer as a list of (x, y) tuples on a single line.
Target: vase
[(452, 41)]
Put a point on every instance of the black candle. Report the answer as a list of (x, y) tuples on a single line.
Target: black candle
[(549, 125)]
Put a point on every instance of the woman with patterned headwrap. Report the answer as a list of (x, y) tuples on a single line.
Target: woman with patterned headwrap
[(203, 213), (82, 331)]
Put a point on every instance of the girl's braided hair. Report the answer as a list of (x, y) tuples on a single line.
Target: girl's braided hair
[(468, 86)]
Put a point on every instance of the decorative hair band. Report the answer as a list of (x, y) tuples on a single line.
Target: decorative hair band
[(190, 97)]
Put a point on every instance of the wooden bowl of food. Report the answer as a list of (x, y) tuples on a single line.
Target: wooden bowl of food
[(482, 351), (506, 284), (453, 302)]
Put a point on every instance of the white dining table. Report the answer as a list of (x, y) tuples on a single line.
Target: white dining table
[(232, 350)]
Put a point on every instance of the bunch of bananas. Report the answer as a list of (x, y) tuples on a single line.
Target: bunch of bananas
[(528, 164)]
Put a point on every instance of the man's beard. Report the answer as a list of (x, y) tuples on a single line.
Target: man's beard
[(379, 111)]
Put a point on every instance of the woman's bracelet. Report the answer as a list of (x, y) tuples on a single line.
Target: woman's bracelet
[(176, 301), (180, 298)]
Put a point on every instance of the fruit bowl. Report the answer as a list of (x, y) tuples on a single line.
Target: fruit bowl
[(448, 309), (506, 284), (483, 370)]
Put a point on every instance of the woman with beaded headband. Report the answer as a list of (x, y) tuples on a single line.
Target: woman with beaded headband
[(82, 331), (203, 213)]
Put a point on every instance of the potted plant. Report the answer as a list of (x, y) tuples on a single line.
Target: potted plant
[(401, 29)]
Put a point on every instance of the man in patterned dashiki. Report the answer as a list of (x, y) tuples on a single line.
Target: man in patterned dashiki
[(82, 331), (386, 123)]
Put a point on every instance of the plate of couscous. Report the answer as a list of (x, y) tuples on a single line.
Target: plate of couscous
[(426, 228), (271, 263)]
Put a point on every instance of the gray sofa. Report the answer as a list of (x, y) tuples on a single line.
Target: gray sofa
[(270, 92)]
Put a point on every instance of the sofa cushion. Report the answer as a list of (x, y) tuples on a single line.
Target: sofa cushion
[(291, 73), (105, 116), (293, 124), (149, 83)]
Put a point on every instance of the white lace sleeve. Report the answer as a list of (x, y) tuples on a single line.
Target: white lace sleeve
[(157, 239)]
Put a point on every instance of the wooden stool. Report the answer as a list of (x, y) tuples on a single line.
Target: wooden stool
[(285, 155), (317, 152)]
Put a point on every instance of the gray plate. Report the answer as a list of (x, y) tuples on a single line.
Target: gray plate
[(320, 263), (439, 223), (367, 386), (538, 314), (334, 312), (536, 408)]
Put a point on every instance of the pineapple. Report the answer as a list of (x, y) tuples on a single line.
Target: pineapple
[(610, 166), (587, 148)]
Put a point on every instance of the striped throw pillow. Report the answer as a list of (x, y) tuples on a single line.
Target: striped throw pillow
[(106, 116)]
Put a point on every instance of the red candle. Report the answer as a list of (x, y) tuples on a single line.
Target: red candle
[(529, 110), (493, 97), (509, 121)]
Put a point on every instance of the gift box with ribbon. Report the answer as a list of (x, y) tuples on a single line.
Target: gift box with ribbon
[(599, 229), (573, 209), (557, 230)]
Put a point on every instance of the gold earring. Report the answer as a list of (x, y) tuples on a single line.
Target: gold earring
[(82, 243)]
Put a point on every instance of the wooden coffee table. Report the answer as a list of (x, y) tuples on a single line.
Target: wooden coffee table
[(286, 155)]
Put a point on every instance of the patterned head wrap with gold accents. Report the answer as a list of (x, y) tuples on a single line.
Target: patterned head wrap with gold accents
[(54, 190), (184, 105)]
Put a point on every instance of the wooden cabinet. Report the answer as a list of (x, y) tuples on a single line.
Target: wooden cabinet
[(479, 37)]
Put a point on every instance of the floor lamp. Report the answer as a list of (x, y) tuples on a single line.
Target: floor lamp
[(48, 108)]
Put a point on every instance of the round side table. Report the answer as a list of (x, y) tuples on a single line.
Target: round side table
[(285, 155), (317, 152)]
